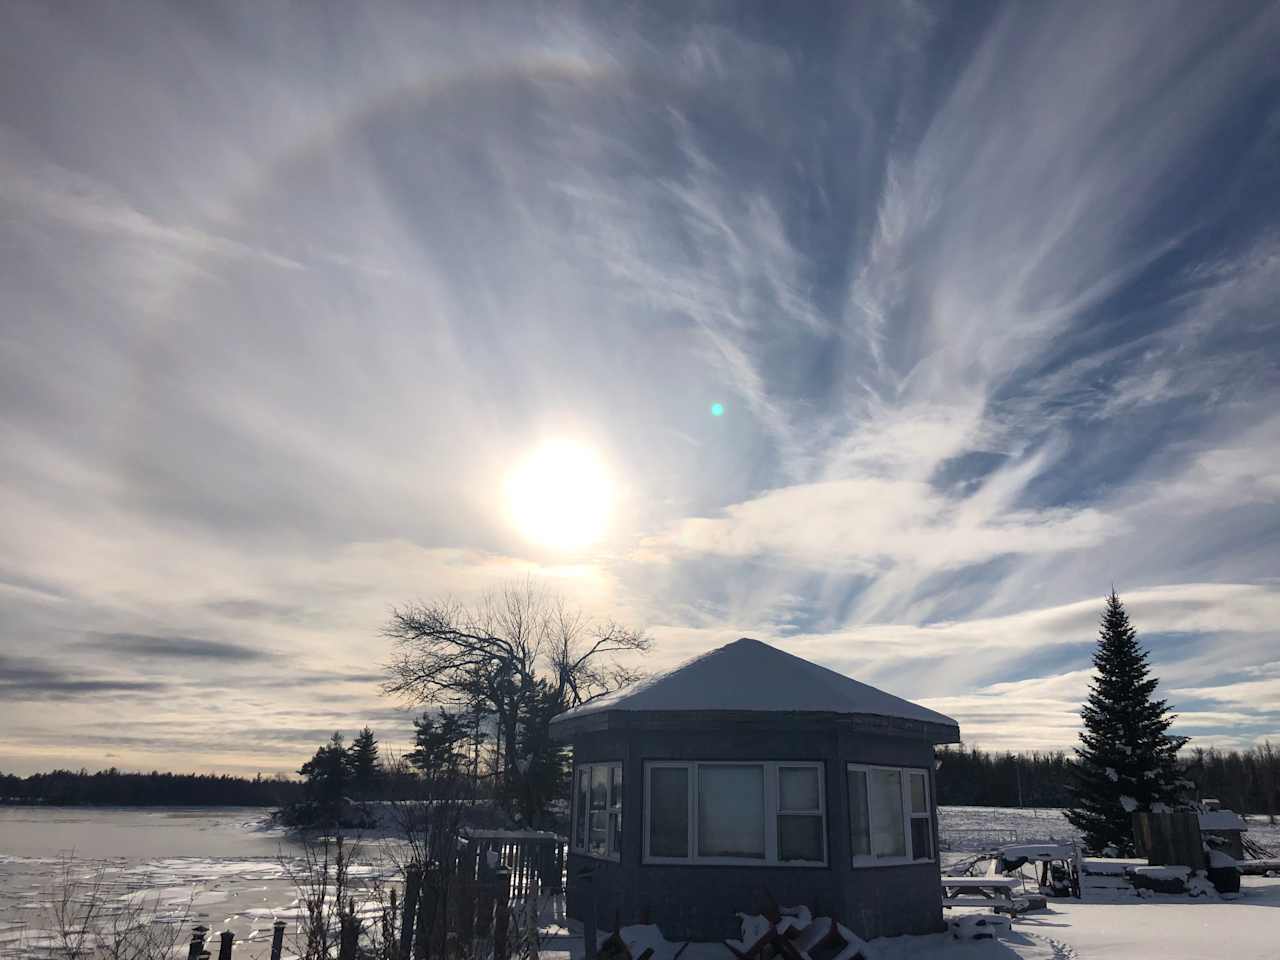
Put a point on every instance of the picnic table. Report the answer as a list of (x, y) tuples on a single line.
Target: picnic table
[(967, 890)]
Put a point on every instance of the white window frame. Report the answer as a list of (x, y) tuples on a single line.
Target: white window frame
[(871, 860), (772, 803), (610, 810)]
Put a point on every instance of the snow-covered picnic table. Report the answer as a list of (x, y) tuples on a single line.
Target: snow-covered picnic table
[(986, 888)]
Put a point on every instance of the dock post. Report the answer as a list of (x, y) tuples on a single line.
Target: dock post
[(277, 939), (224, 948), (198, 933)]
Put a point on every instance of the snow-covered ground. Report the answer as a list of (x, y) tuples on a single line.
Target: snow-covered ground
[(1102, 926)]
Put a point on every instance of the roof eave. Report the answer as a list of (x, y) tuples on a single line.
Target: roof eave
[(567, 726)]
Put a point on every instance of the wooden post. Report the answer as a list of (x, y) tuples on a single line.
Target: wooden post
[(412, 883), (502, 914), (587, 895), (466, 886), (277, 939), (439, 911), (484, 907), (426, 914), (224, 948), (349, 932), (198, 933), (453, 908), (389, 927)]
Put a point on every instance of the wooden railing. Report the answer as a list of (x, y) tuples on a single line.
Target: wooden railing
[(535, 859)]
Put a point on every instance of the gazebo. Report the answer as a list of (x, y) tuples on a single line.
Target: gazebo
[(748, 774)]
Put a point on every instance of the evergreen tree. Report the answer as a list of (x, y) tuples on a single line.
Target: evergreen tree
[(328, 773), (362, 758), (1126, 760), (440, 743), (540, 759)]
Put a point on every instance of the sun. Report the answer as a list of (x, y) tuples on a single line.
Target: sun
[(561, 496)]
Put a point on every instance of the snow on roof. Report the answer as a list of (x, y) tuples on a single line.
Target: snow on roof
[(1222, 820), (750, 675)]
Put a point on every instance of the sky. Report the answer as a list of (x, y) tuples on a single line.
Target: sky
[(296, 298)]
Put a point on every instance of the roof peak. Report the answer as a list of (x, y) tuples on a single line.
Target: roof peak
[(750, 675)]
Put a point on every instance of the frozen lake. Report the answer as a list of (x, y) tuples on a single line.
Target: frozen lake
[(137, 832), (224, 867)]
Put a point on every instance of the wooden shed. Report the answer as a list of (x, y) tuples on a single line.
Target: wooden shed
[(750, 774)]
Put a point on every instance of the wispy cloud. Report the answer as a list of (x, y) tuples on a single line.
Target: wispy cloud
[(180, 648), (987, 298)]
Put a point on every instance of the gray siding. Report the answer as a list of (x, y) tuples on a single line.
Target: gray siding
[(699, 902)]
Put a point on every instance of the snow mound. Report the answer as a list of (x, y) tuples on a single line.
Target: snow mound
[(979, 926), (1222, 820), (1162, 873)]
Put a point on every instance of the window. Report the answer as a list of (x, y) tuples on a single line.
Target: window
[(731, 811), (765, 813), (668, 806), (800, 824), (597, 810), (889, 816)]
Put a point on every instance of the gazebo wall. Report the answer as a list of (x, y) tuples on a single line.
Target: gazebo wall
[(699, 902)]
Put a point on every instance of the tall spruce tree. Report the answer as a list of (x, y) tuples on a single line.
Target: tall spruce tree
[(1127, 760)]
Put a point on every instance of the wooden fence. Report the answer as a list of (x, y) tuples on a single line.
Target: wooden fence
[(1169, 838), (445, 908)]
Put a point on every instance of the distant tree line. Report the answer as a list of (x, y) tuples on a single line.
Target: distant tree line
[(1247, 781), (114, 786), (972, 777)]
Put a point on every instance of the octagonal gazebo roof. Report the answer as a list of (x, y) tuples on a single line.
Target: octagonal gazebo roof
[(748, 678)]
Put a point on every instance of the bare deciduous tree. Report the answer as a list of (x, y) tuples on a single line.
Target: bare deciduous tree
[(87, 919), (520, 655)]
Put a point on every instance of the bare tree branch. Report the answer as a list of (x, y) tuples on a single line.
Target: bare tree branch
[(520, 655)]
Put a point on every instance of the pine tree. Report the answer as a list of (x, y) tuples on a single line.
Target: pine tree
[(439, 744), (362, 758), (1126, 759), (328, 773)]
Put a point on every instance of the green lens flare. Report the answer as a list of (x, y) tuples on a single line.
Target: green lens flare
[(717, 409)]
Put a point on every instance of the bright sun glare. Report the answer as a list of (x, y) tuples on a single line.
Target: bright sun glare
[(560, 497)]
